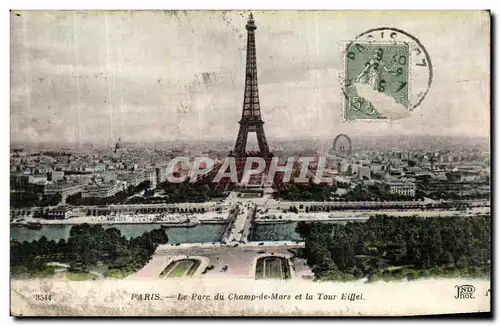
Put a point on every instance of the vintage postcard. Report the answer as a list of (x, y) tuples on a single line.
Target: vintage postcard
[(249, 163)]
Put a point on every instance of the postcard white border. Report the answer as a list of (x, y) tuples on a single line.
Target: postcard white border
[(193, 4)]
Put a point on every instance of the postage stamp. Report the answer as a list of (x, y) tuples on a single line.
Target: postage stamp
[(380, 79)]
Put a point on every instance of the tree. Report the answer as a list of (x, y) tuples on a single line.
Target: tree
[(342, 251), (426, 243), (158, 236), (446, 258)]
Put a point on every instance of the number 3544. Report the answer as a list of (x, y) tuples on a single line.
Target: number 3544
[(43, 297)]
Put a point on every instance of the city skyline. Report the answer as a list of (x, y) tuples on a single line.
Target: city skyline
[(68, 87)]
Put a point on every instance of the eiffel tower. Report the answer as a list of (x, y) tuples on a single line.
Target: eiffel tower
[(251, 120)]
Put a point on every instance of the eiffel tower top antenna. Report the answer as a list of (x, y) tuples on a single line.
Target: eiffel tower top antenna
[(251, 22)]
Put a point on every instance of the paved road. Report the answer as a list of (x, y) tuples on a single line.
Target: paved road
[(248, 224), (254, 245), (237, 259)]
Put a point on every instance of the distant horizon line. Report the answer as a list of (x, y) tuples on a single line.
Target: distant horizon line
[(16, 142)]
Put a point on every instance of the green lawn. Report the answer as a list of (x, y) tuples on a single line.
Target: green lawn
[(193, 268), (180, 268), (118, 274), (100, 268), (259, 269), (80, 276), (24, 273), (273, 268)]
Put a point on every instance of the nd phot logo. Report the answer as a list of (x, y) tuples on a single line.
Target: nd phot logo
[(465, 291)]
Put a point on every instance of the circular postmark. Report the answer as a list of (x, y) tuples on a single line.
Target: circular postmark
[(388, 66)]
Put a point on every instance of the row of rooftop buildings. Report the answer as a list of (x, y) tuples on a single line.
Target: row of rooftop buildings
[(401, 179), (89, 184)]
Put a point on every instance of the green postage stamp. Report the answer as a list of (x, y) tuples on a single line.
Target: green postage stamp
[(383, 67), (387, 73)]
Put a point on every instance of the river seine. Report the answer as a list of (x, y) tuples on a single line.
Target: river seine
[(200, 233)]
